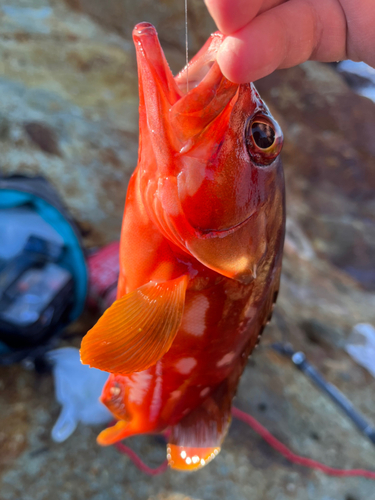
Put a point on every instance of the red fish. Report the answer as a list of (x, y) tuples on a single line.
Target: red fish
[(200, 255)]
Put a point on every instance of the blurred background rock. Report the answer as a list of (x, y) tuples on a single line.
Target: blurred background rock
[(68, 111)]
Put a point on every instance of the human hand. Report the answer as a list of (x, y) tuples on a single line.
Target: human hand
[(264, 35)]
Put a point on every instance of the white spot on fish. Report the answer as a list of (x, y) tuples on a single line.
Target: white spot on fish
[(169, 199), (226, 360), (204, 392), (185, 365), (188, 145), (183, 454), (193, 175), (175, 394), (250, 311), (194, 319), (156, 397), (115, 391), (138, 384)]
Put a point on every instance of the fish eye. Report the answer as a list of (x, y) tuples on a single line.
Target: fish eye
[(263, 135), (264, 139)]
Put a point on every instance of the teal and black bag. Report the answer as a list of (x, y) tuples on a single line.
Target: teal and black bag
[(43, 274)]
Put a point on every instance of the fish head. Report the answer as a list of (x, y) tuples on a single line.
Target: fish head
[(210, 173)]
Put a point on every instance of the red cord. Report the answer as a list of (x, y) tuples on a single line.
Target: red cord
[(292, 457), (270, 439), (138, 462)]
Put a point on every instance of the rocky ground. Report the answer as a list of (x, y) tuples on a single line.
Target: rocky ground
[(68, 111)]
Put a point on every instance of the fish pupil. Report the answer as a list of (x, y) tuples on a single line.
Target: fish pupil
[(263, 134)]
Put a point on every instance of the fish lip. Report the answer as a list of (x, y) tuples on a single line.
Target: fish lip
[(144, 28), (221, 233)]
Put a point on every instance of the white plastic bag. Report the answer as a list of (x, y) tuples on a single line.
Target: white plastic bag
[(361, 346), (77, 389)]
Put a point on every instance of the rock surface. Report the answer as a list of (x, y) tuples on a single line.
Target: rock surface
[(68, 110), (329, 163), (168, 16)]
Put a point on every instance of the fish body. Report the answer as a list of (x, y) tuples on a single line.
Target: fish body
[(200, 255)]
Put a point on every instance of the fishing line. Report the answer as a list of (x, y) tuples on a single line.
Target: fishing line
[(293, 457), (186, 48), (271, 440), (139, 463)]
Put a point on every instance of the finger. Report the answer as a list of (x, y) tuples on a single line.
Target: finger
[(232, 15), (282, 37), (361, 30)]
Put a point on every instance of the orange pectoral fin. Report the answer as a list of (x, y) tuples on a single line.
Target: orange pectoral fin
[(138, 329)]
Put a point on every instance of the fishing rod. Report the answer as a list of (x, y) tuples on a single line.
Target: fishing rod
[(299, 360)]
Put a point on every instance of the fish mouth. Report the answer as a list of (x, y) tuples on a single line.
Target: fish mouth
[(201, 65), (196, 70), (187, 103), (190, 77), (144, 28)]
